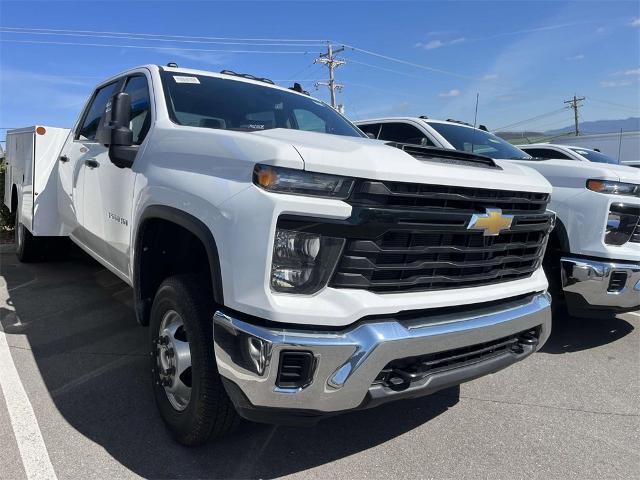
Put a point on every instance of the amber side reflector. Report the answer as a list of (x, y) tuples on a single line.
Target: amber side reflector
[(41, 130)]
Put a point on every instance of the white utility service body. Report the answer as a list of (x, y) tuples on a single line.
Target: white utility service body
[(596, 275), (320, 262), (32, 154)]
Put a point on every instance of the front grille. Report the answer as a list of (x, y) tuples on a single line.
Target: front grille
[(422, 241), (473, 200), (399, 374)]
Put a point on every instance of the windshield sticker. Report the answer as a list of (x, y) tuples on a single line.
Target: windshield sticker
[(180, 79)]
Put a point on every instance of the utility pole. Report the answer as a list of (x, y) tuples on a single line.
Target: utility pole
[(330, 61), (575, 105)]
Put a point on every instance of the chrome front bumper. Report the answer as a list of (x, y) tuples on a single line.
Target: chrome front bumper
[(589, 283), (346, 363)]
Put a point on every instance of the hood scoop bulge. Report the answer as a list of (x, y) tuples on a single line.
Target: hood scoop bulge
[(443, 155)]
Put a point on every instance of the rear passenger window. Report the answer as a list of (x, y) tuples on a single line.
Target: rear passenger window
[(404, 133), (92, 118), (546, 153), (371, 128), (138, 91)]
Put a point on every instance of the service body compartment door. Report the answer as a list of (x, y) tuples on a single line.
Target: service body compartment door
[(20, 146), (48, 144)]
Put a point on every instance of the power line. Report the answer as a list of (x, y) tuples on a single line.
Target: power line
[(148, 39), (619, 105), (529, 120), (411, 64), (575, 104), (149, 47), (322, 41), (385, 69)]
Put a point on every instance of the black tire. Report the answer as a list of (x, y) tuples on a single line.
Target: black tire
[(209, 411), (552, 269), (28, 248)]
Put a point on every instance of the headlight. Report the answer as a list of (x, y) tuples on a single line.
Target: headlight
[(299, 182), (303, 262), (614, 188), (621, 223)]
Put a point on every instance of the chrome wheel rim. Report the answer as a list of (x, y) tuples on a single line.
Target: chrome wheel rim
[(173, 359)]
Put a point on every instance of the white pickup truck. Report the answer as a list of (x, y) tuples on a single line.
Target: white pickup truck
[(593, 259), (289, 267)]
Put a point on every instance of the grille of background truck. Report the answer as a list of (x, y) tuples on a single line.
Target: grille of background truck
[(427, 245)]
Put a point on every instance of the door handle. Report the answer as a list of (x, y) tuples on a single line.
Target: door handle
[(63, 158), (91, 163)]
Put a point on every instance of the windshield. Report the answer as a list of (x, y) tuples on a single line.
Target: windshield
[(593, 156), (211, 102), (481, 142)]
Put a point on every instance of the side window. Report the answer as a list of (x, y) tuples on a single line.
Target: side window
[(371, 128), (93, 114), (309, 121), (138, 90), (404, 133), (546, 153)]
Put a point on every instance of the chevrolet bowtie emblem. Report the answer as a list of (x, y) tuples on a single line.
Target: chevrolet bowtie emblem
[(492, 222)]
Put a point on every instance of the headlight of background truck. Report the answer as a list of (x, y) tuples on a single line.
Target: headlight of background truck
[(614, 188)]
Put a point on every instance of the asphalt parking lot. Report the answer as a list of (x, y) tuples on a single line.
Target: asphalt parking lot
[(570, 411)]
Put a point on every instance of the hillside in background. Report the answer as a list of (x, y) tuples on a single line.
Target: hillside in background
[(631, 124)]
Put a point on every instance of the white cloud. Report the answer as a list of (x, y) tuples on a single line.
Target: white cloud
[(433, 44), (490, 76), (635, 71), (451, 93), (635, 22), (580, 56), (614, 84)]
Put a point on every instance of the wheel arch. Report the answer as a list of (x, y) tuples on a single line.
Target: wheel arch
[(192, 225)]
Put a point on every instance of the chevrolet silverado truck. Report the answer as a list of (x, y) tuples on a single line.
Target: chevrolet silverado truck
[(593, 259), (288, 267)]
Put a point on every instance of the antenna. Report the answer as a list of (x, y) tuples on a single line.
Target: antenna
[(475, 120), (620, 147)]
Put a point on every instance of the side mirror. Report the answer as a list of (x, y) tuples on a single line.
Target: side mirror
[(122, 151)]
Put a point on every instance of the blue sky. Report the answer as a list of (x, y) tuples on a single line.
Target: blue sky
[(523, 57)]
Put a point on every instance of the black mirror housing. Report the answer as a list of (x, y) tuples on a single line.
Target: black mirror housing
[(115, 132)]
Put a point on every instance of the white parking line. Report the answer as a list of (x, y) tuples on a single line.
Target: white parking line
[(35, 457)]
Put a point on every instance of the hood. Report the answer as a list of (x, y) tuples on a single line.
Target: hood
[(624, 173), (367, 158), (567, 173)]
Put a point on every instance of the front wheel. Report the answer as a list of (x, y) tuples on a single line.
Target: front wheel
[(187, 387)]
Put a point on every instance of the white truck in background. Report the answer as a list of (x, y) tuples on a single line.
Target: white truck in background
[(622, 147), (593, 259), (289, 267)]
